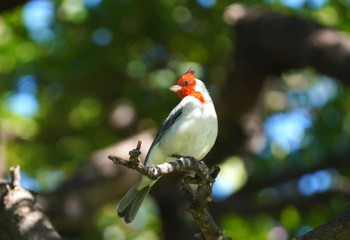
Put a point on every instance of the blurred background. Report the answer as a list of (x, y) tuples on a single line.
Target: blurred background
[(83, 79)]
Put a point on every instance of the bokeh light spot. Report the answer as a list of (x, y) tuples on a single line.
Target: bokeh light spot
[(27, 84), (290, 217), (322, 91), (277, 233), (92, 3), (233, 175), (206, 3), (123, 115), (29, 182), (316, 182), (181, 15), (296, 4), (157, 53), (26, 52), (85, 113), (288, 129), (72, 10), (102, 36), (24, 104), (136, 68), (161, 79), (38, 16)]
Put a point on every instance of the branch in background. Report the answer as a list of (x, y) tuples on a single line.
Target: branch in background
[(21, 214), (11, 5), (277, 42), (337, 228), (198, 198)]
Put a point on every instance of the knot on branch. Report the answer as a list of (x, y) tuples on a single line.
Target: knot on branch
[(198, 197)]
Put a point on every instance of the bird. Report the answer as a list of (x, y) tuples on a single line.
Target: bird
[(190, 130)]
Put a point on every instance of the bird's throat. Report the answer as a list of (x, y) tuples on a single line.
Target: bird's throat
[(198, 95), (184, 92)]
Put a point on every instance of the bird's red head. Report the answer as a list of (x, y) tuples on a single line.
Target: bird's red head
[(186, 86)]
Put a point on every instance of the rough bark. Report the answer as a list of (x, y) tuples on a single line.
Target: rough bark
[(22, 215), (337, 228)]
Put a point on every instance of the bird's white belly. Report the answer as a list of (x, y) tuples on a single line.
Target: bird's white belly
[(194, 135)]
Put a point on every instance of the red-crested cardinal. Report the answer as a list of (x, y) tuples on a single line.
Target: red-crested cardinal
[(190, 130)]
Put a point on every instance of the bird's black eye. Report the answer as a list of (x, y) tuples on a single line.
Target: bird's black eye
[(186, 83)]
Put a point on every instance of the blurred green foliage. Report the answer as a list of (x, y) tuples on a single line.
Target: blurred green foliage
[(80, 78), (86, 59)]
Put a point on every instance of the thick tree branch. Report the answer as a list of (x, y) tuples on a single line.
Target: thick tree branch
[(337, 228), (21, 214), (198, 198)]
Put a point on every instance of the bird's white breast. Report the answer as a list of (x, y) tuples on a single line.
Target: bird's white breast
[(194, 132)]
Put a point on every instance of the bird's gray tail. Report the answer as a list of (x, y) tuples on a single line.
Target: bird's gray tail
[(131, 202)]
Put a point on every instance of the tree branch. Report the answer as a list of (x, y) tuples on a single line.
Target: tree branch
[(21, 214), (277, 42), (337, 228), (198, 198)]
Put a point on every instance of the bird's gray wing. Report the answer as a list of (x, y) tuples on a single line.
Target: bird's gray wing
[(168, 122)]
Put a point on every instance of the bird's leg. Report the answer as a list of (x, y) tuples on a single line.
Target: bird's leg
[(188, 158), (191, 177)]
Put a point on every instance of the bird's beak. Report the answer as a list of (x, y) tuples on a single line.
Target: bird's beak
[(175, 88)]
